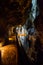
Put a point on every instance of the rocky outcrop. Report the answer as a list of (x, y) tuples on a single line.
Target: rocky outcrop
[(9, 55)]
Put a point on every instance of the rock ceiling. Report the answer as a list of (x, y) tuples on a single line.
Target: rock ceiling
[(12, 11)]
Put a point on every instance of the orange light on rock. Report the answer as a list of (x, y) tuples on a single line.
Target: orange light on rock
[(12, 38), (21, 34)]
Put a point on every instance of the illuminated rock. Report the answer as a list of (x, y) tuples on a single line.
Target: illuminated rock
[(9, 55)]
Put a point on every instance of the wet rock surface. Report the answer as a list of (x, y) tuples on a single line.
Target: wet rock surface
[(9, 55)]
